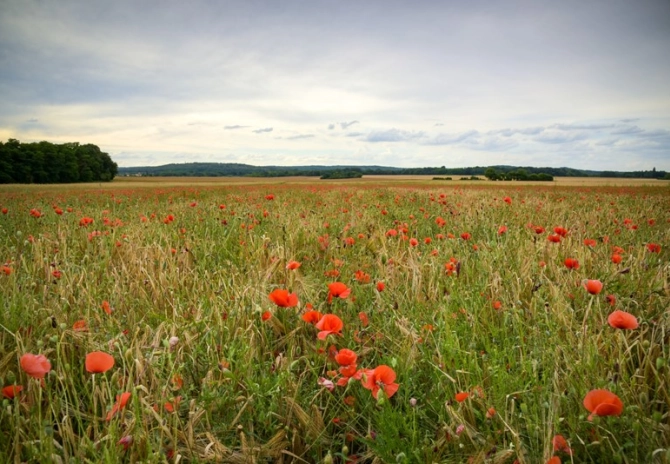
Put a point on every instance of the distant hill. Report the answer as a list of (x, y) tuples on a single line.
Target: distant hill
[(247, 170)]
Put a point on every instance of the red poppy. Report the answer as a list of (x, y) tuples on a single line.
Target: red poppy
[(571, 263), (337, 289), (502, 230), (269, 197), (266, 315), (462, 396), (5, 210), (121, 402), (346, 357), (381, 286), (654, 247), (560, 444), (602, 403), (611, 300), (593, 286), (507, 200), (622, 320), (362, 277), (554, 238), (413, 242), (589, 242), (36, 366), (382, 377), (35, 213), (126, 441), (98, 362), (538, 229), (554, 460), (283, 298), (11, 391), (312, 317), (106, 307), (329, 324), (292, 265), (497, 305), (561, 231), (79, 326), (466, 236), (616, 258), (6, 270), (364, 319)]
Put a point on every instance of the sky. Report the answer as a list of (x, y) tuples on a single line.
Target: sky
[(582, 84)]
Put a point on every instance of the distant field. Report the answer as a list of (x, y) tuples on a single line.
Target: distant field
[(141, 182)]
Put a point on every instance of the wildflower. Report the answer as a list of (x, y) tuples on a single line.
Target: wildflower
[(497, 305), (362, 277), (364, 319), (79, 326), (654, 247), (339, 290), (266, 315), (616, 258), (622, 320), (571, 263), (490, 412), (589, 242), (466, 236), (269, 197), (346, 357), (461, 396), (507, 200), (381, 286), (560, 444), (312, 317), (126, 441), (329, 324), (413, 242), (324, 382), (283, 298), (292, 265), (602, 403), (593, 286), (11, 391), (561, 231), (554, 460), (382, 377), (36, 366), (98, 362), (538, 229), (106, 307), (502, 230), (36, 213), (6, 270), (173, 341), (611, 300), (554, 238), (121, 402)]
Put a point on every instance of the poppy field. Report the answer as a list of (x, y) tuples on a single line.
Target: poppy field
[(335, 322)]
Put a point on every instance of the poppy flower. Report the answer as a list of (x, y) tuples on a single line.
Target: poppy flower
[(11, 391), (654, 247), (324, 382), (292, 265), (266, 315), (560, 444), (121, 402), (346, 357), (466, 236), (339, 290), (413, 242), (561, 231), (461, 396), (589, 242), (362, 277), (593, 286), (502, 230), (364, 319), (312, 317), (611, 300), (381, 286), (98, 362), (79, 326), (616, 258), (125, 442), (507, 200), (283, 298), (382, 377), (490, 412), (622, 320), (329, 324), (554, 460), (6, 270), (538, 229), (36, 366), (571, 263), (106, 307), (554, 238), (602, 403)]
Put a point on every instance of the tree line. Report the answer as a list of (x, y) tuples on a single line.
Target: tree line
[(50, 163)]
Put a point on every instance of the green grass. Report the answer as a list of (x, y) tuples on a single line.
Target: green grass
[(249, 389)]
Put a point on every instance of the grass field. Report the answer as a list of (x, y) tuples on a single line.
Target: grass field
[(369, 320)]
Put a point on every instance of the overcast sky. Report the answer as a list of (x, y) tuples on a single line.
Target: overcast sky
[(584, 84)]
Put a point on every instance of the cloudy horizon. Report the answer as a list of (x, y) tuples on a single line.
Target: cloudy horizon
[(529, 83)]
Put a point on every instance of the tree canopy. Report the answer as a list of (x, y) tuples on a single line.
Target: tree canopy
[(49, 163)]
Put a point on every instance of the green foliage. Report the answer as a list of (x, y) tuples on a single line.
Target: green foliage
[(48, 163)]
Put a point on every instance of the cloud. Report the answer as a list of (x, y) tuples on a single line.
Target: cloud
[(236, 126), (345, 125), (298, 137), (354, 134), (331, 126), (512, 132), (451, 139), (33, 121), (260, 131), (554, 137), (393, 135), (627, 130), (569, 127)]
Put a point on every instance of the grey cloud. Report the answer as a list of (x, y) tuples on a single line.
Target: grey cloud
[(236, 126), (559, 137), (354, 134), (451, 139), (33, 120), (607, 142), (627, 130), (331, 126), (393, 135), (260, 131), (654, 133), (569, 127), (491, 143), (344, 125), (298, 137), (525, 131), (629, 120)]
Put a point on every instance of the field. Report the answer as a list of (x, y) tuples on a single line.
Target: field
[(370, 320)]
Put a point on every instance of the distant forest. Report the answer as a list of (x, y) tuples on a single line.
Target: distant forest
[(337, 172), (49, 163)]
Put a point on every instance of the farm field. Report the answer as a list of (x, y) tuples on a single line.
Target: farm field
[(369, 320)]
